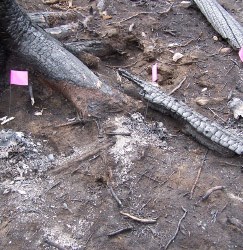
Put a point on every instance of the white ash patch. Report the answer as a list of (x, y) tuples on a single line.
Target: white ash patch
[(142, 134), (21, 155), (58, 235), (234, 127)]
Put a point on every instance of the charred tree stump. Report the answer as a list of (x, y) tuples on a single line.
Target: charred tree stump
[(60, 69)]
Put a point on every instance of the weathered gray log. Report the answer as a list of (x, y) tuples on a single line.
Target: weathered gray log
[(63, 31), (51, 18), (224, 23), (201, 128), (60, 69)]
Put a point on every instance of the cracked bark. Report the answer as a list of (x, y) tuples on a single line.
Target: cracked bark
[(208, 133), (60, 69)]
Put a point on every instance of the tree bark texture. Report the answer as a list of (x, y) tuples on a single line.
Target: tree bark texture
[(61, 69)]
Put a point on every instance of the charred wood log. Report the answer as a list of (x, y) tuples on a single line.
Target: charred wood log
[(89, 60), (51, 19), (63, 31), (60, 69), (3, 58), (201, 128), (94, 47)]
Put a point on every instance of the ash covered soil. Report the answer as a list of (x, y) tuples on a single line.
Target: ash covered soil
[(66, 186)]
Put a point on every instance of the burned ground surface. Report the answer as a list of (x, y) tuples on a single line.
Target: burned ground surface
[(132, 180)]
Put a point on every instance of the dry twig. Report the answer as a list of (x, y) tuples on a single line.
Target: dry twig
[(177, 229), (195, 183), (145, 13), (70, 123), (211, 190), (53, 244), (53, 186), (216, 115), (78, 159), (149, 177), (119, 133), (144, 205), (143, 220), (119, 231), (198, 175), (168, 177), (115, 196), (177, 87)]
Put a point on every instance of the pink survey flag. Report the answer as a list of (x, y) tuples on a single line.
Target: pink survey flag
[(154, 72), (241, 54), (19, 77)]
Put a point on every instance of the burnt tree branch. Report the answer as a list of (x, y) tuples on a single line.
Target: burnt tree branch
[(60, 69)]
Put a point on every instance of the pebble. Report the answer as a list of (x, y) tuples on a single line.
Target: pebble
[(225, 50), (177, 56), (185, 4), (202, 101), (51, 157)]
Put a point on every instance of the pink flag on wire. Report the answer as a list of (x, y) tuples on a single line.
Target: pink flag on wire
[(19, 77), (155, 72)]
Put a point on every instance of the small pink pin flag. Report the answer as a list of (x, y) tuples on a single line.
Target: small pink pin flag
[(241, 54), (154, 72), (19, 77)]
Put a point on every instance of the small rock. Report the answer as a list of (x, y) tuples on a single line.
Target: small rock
[(202, 101), (51, 157), (225, 50), (185, 4), (143, 34), (215, 38), (177, 56), (110, 32), (21, 192), (38, 113), (130, 29), (6, 191)]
